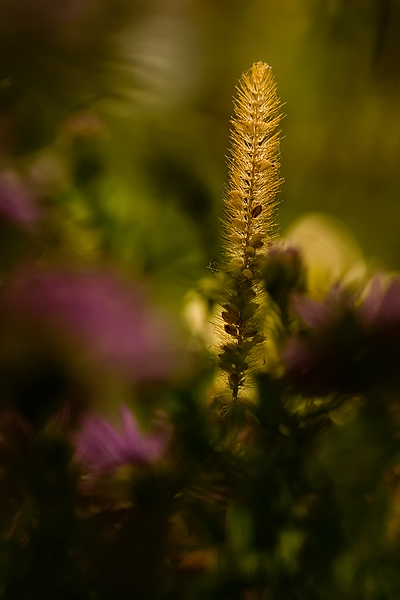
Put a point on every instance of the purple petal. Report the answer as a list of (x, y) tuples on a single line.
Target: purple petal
[(101, 448), (382, 307), (319, 314), (390, 305), (17, 202), (284, 251), (130, 429), (98, 445), (140, 447), (313, 313), (371, 304)]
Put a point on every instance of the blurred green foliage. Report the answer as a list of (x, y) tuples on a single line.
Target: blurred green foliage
[(115, 117), (161, 74)]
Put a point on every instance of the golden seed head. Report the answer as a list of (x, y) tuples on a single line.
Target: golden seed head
[(249, 218)]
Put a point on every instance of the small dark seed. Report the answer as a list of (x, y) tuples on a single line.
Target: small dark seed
[(257, 339), (229, 347), (249, 251), (228, 317), (256, 211), (249, 310), (250, 295), (257, 241), (249, 332), (225, 366), (230, 329), (247, 346), (234, 379)]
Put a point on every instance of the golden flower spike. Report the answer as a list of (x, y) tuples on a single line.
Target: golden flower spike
[(250, 204)]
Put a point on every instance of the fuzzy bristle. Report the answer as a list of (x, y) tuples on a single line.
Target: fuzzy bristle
[(250, 205)]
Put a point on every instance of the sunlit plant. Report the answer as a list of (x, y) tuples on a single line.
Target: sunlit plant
[(250, 204)]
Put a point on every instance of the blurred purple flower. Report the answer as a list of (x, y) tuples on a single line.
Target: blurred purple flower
[(103, 313), (314, 314), (17, 201), (379, 315), (102, 448), (324, 356), (380, 310), (283, 270), (321, 314), (282, 251), (347, 345)]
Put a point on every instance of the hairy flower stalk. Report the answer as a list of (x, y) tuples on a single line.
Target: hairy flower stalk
[(248, 221)]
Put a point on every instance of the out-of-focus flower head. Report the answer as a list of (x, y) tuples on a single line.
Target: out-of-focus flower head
[(321, 358), (379, 315), (101, 448), (283, 272), (349, 344), (380, 309), (101, 313)]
